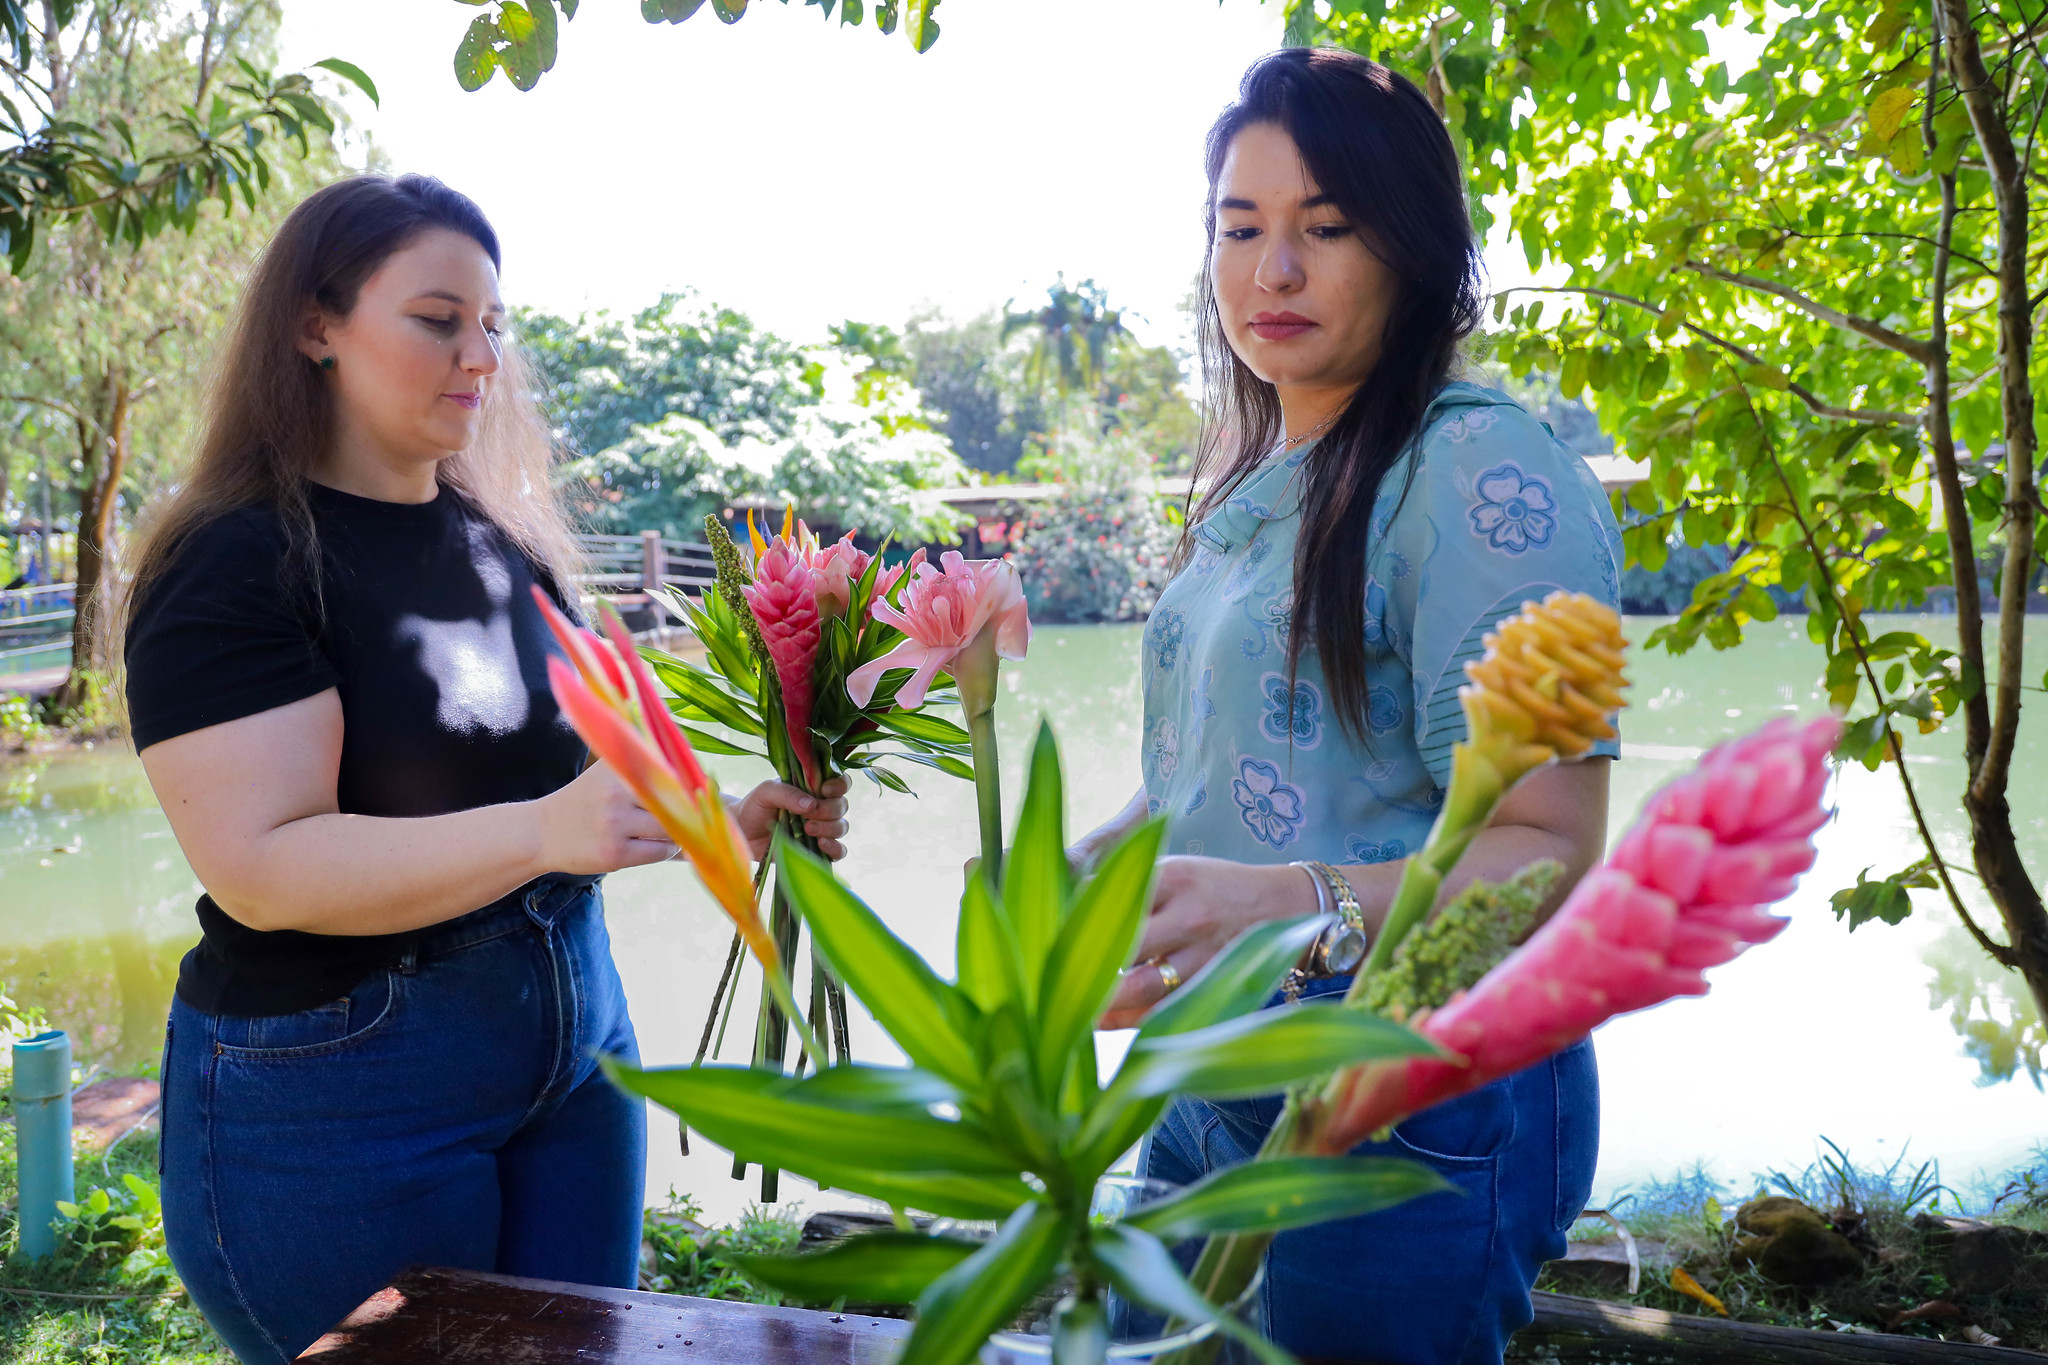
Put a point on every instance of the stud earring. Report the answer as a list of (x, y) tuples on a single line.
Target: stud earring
[(326, 362)]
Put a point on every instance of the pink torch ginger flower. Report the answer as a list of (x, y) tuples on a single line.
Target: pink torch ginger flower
[(838, 567), (784, 600), (961, 617), (1684, 891)]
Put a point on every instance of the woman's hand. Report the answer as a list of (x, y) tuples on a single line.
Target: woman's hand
[(824, 815), (596, 824), (1198, 906)]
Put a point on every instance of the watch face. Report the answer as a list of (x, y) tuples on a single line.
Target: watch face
[(1345, 952)]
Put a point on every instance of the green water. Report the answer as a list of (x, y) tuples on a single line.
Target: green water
[(1821, 1032)]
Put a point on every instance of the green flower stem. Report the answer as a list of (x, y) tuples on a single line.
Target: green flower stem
[(988, 791), (1476, 789)]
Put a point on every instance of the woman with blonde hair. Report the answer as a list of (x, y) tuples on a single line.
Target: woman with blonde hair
[(383, 1050)]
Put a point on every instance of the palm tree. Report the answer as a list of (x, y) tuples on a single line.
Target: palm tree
[(1072, 336)]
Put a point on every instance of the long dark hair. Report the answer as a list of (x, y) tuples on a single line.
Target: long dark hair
[(271, 410), (1373, 144)]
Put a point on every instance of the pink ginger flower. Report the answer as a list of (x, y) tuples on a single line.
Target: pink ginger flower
[(1684, 891), (784, 599), (960, 617), (838, 567)]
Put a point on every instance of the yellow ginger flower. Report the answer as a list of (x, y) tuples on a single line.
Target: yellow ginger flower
[(1550, 679)]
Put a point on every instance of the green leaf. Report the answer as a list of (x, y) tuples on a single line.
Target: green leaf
[(694, 686), (879, 1267), (986, 947), (903, 993), (706, 743), (919, 725), (1238, 980), (919, 25), (354, 74), (752, 1113), (668, 11), (1273, 1194), (1884, 899), (1141, 1267), (1264, 1052), (476, 59), (1036, 874), (984, 1292), (1888, 111), (1080, 1333), (1091, 950), (877, 1089), (544, 31)]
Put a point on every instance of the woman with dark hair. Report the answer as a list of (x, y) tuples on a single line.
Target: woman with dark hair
[(383, 1050), (1365, 519)]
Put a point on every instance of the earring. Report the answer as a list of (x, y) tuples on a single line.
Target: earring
[(326, 362)]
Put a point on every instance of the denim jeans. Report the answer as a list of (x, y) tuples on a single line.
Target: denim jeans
[(447, 1111), (1439, 1280)]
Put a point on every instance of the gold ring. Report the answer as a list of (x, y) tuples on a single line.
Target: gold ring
[(1169, 975)]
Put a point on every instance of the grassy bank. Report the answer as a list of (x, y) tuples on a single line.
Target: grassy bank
[(1883, 1252)]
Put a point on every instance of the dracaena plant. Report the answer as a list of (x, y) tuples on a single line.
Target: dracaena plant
[(1001, 1114)]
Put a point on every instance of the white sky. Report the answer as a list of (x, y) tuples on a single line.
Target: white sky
[(806, 173)]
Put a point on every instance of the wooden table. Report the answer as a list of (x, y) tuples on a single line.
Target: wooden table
[(428, 1315)]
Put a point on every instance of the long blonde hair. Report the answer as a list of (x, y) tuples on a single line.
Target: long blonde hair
[(270, 410)]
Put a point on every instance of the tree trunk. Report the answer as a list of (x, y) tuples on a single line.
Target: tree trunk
[(98, 495), (1995, 849)]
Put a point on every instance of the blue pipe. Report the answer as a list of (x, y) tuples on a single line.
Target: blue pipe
[(42, 1137)]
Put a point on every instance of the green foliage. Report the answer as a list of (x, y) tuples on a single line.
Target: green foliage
[(681, 1256), (521, 37), (21, 721), (1451, 950), (1094, 555), (1001, 1116), (136, 172), (682, 409), (1756, 302), (1884, 899)]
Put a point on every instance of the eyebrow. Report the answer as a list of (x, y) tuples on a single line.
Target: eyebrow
[(1317, 201), (458, 300)]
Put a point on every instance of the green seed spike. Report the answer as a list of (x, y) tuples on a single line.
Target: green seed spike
[(1463, 942), (731, 577)]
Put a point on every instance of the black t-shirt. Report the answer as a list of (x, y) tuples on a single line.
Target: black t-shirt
[(423, 620)]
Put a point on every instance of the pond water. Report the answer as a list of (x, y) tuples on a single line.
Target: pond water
[(1822, 1032)]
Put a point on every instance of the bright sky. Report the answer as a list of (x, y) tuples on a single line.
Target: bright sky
[(807, 173)]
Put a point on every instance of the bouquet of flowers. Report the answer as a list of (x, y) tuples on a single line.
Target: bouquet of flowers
[(829, 663)]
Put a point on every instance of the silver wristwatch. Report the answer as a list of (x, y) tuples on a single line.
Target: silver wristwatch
[(1341, 948)]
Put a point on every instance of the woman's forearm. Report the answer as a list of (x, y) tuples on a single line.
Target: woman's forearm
[(360, 874)]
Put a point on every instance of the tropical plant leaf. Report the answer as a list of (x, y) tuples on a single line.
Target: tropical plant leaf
[(986, 947), (698, 690), (918, 725), (945, 763), (983, 1292), (1273, 1194), (1092, 948), (878, 1089), (1264, 1052), (752, 1113), (903, 993), (1035, 874), (353, 74), (879, 1267), (705, 742), (1139, 1265)]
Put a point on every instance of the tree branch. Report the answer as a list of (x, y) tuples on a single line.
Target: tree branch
[(1813, 401), (1866, 328)]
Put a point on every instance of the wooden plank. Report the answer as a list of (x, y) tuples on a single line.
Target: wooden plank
[(428, 1315), (1569, 1329)]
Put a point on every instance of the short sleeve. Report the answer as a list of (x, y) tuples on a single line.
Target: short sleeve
[(1497, 512), (221, 634)]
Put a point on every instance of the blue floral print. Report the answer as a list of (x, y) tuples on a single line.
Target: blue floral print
[(1515, 511), (1438, 577), (1366, 851), (1294, 717), (1168, 629), (1271, 809)]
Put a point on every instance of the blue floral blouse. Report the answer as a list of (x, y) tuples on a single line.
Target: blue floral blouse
[(1492, 512)]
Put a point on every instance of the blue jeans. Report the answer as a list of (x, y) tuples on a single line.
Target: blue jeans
[(447, 1111), (1440, 1280)]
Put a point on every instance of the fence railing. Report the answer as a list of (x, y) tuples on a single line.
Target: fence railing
[(35, 623), (35, 626)]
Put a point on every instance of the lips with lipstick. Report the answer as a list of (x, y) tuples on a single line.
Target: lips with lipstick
[(472, 401), (1280, 326)]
